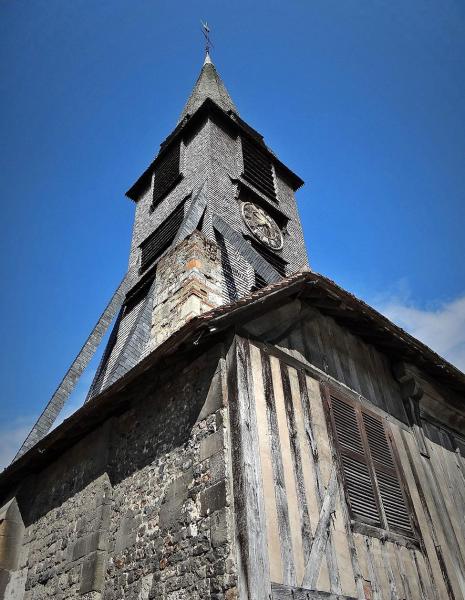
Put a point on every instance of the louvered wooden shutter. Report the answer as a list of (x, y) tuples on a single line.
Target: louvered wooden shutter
[(167, 174), (257, 168), (393, 502), (161, 238), (373, 484), (360, 488)]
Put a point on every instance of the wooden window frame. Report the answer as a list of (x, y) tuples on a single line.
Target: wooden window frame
[(383, 531)]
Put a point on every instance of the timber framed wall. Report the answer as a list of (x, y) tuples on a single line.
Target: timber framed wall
[(294, 529)]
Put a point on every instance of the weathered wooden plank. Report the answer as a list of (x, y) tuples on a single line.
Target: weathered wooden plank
[(381, 572), (418, 588), (354, 380), (330, 349), (365, 374), (273, 537), (384, 382), (391, 553), (338, 338), (303, 428), (283, 592), (287, 555), (312, 568), (423, 575), (438, 586), (404, 584), (312, 401), (349, 571), (253, 567), (431, 519), (311, 342), (289, 475), (289, 375), (449, 479), (372, 570), (360, 549), (409, 570), (435, 487), (386, 565)]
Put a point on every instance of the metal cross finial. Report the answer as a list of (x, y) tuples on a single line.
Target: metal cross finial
[(206, 33)]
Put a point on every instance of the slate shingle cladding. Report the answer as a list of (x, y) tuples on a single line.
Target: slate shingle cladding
[(210, 138)]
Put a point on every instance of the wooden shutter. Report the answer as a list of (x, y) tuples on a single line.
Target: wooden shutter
[(157, 242), (167, 174), (393, 502), (359, 485), (257, 168), (373, 484)]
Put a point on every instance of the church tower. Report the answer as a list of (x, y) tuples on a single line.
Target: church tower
[(253, 431), (213, 174)]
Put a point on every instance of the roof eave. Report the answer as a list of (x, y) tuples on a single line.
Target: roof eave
[(233, 120), (211, 327)]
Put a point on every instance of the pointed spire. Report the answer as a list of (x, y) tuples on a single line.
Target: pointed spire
[(208, 85)]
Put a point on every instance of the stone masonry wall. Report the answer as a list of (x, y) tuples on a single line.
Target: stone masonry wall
[(188, 283), (141, 508)]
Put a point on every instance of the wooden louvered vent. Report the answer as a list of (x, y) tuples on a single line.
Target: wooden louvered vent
[(167, 174), (161, 238), (271, 257), (257, 168), (373, 484)]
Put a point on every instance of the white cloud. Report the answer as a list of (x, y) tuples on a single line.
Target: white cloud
[(442, 328)]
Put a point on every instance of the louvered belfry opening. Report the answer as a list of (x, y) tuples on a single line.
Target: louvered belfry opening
[(271, 257), (161, 238), (259, 282), (257, 168), (167, 173), (373, 484)]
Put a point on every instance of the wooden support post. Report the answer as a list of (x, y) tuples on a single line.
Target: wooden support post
[(253, 565)]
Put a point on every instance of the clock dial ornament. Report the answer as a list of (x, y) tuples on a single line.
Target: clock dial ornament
[(263, 227)]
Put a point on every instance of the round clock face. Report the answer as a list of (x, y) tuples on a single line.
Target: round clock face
[(262, 226)]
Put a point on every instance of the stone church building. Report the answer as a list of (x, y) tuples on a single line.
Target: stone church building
[(253, 431)]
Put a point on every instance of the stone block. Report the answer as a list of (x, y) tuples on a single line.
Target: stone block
[(176, 494), (93, 573), (97, 540), (214, 399), (211, 445), (219, 528), (126, 535), (213, 498)]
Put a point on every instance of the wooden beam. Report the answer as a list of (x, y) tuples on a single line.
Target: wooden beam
[(253, 564), (286, 592), (312, 568)]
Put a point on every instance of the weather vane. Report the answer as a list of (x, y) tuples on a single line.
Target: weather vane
[(206, 33)]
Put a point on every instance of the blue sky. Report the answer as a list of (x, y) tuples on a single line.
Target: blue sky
[(364, 100)]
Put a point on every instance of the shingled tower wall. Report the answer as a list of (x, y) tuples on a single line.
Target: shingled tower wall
[(199, 180)]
